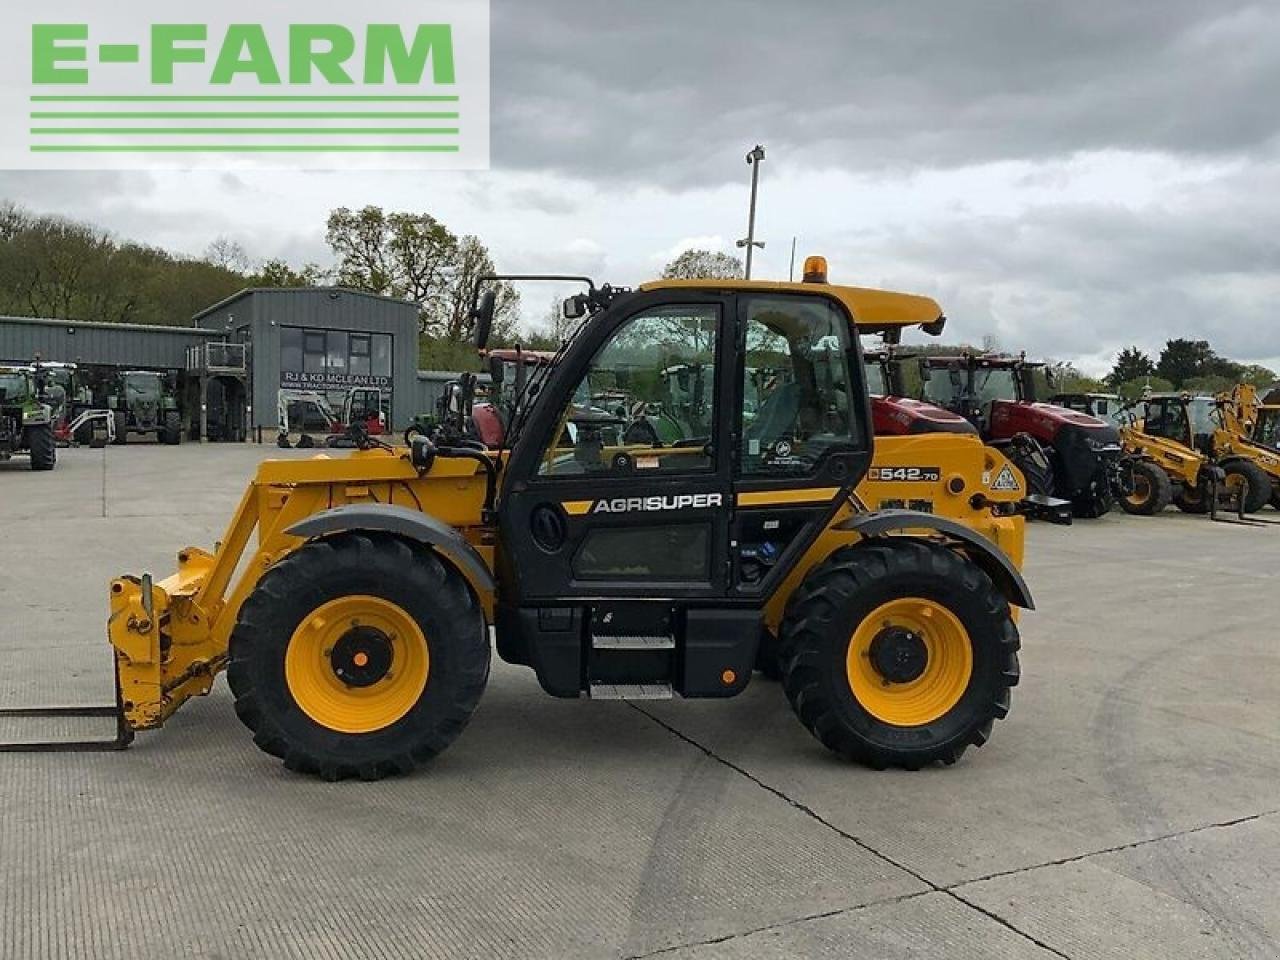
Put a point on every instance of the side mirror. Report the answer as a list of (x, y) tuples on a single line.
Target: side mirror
[(497, 370), (574, 308), (482, 315)]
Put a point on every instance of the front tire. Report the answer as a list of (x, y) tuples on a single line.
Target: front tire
[(1152, 490), (360, 655), (122, 427), (172, 432), (43, 447), (899, 654)]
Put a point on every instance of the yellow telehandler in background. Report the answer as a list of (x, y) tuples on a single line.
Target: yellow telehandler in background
[(355, 635), (1246, 428), (1169, 442)]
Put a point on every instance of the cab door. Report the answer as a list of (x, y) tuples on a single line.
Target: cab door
[(620, 484), (805, 443)]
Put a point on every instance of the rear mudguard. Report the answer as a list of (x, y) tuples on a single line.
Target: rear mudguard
[(987, 555), (402, 522)]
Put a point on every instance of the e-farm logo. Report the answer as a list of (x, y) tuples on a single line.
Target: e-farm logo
[(296, 84)]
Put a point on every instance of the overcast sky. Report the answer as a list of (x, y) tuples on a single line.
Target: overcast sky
[(1068, 178)]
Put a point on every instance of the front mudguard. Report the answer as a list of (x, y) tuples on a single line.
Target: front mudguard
[(993, 561)]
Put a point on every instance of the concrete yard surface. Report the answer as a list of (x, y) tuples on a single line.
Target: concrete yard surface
[(1129, 807)]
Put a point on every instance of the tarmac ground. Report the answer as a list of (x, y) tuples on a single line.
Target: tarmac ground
[(1129, 807)]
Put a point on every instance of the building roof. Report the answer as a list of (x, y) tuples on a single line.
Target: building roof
[(107, 325), (249, 291)]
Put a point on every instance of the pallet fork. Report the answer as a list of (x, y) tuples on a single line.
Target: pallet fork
[(120, 741), (1228, 507), (123, 735)]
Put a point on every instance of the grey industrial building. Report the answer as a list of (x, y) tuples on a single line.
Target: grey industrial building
[(237, 355)]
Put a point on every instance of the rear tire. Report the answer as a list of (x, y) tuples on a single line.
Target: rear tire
[(43, 447), (1246, 471), (1193, 500), (961, 619), (122, 428), (1152, 490), (432, 669), (172, 432)]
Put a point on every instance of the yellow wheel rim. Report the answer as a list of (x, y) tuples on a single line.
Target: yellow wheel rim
[(1141, 490), (909, 662), (357, 664)]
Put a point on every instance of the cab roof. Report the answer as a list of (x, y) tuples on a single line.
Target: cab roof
[(873, 310)]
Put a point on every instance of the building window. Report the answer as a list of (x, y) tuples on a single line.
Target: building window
[(336, 361), (290, 348), (360, 348), (313, 352), (381, 365), (337, 364)]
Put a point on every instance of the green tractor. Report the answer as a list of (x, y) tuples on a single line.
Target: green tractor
[(143, 401), (26, 421)]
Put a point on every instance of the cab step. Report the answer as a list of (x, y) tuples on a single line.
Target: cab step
[(614, 642), (630, 691)]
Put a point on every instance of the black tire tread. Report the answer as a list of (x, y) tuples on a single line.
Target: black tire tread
[(42, 447), (815, 607), (1161, 490), (1260, 488), (295, 580)]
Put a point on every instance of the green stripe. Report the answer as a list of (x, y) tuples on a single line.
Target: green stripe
[(247, 148), (223, 131), (274, 115), (242, 99)]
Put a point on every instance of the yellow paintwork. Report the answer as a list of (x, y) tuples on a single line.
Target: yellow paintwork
[(1180, 462), (174, 651), (320, 693), (947, 671), (870, 308), (773, 498), (1237, 415), (957, 455)]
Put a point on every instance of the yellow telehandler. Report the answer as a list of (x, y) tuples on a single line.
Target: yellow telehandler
[(355, 635), (1172, 452), (1246, 428)]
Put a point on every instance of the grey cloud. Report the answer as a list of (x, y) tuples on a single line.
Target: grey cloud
[(1070, 281), (667, 93)]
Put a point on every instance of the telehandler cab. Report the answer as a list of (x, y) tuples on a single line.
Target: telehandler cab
[(355, 640)]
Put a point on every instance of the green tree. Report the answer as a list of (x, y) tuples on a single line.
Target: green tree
[(1131, 364), (1183, 360), (1134, 389), (1257, 375), (413, 256), (278, 273), (703, 265)]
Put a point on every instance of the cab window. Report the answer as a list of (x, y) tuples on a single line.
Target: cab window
[(797, 370), (647, 403)]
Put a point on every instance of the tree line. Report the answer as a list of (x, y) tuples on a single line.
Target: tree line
[(70, 270)]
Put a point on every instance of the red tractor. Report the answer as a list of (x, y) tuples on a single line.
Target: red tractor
[(1061, 452), (893, 413), (510, 372)]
